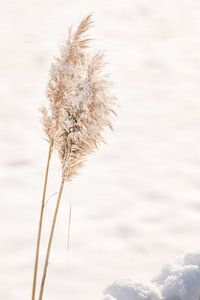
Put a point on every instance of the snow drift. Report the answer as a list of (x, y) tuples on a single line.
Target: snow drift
[(179, 280)]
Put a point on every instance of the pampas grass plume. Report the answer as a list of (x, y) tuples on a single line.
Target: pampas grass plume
[(81, 103)]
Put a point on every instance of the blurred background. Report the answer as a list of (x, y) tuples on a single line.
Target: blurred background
[(136, 203)]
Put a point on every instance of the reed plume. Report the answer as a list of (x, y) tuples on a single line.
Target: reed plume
[(81, 106)]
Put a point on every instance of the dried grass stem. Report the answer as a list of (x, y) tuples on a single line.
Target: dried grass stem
[(50, 240), (40, 224)]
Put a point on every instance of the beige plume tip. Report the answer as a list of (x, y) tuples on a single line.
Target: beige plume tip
[(81, 104)]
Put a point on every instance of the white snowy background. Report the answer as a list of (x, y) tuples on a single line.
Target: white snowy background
[(136, 204)]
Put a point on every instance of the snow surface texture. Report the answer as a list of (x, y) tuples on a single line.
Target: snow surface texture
[(178, 280), (136, 202), (127, 290)]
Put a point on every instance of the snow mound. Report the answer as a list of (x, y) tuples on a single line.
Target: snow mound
[(127, 290), (179, 280)]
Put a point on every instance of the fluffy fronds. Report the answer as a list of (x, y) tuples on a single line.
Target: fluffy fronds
[(81, 104)]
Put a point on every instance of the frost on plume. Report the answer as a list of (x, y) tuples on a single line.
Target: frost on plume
[(81, 104)]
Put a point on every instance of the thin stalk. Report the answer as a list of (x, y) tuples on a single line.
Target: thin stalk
[(68, 234), (40, 224), (50, 241)]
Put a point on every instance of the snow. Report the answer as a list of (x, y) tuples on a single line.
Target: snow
[(179, 280), (136, 202), (126, 290)]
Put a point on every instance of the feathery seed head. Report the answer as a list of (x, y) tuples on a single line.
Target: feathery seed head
[(81, 104)]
